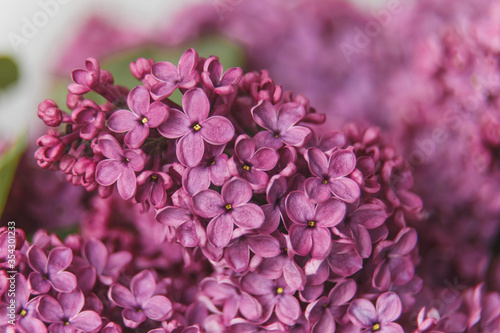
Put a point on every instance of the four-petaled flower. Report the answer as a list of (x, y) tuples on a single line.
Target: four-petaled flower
[(120, 166), (310, 231), (379, 318), (142, 116), (330, 175), (66, 313), (226, 209), (193, 127), (280, 125), (50, 271), (140, 302)]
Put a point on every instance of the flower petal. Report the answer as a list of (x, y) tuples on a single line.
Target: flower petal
[(248, 216), (342, 162), (108, 171), (122, 296), (264, 159), (71, 303), (122, 121), (265, 115), (250, 308), (63, 281), (50, 310), (318, 164), (126, 183), (342, 292), (173, 216), (156, 114), (217, 130), (110, 147), (236, 192), (138, 100), (321, 242), (301, 239), (96, 253), (59, 259), (299, 208), (143, 286), (208, 203), (196, 105), (388, 307), (362, 312), (137, 135), (296, 135), (190, 149), (345, 189), (330, 213), (157, 307), (37, 259), (196, 179), (220, 230), (264, 245), (288, 309), (86, 321), (316, 190), (237, 255), (176, 125), (288, 115)]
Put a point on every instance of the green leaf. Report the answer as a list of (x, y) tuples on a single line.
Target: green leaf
[(9, 71), (8, 165)]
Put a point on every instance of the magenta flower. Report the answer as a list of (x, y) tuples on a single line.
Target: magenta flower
[(107, 266), (142, 116), (170, 77), (280, 125), (65, 314), (237, 252), (91, 117), (120, 166), (226, 209), (323, 312), (250, 164), (343, 259), (50, 271), (212, 168), (330, 175), (377, 318), (25, 311), (188, 229), (152, 186), (140, 302), (194, 127), (310, 233), (275, 195), (50, 113), (274, 295), (216, 80), (394, 265), (228, 295)]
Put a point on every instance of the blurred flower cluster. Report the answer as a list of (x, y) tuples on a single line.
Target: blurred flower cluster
[(212, 200)]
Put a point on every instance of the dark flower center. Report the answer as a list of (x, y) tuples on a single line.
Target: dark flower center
[(311, 224), (246, 167), (154, 177), (228, 207), (197, 127)]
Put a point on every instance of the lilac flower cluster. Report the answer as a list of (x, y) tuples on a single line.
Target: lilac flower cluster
[(283, 229)]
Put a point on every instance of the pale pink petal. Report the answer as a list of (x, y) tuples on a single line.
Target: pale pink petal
[(265, 115), (37, 259), (321, 242), (143, 286), (138, 100), (317, 190), (50, 310), (122, 296), (86, 321), (237, 255), (301, 239), (173, 216), (248, 216), (296, 135), (157, 307), (342, 162), (345, 189), (63, 281), (71, 303), (176, 125), (388, 307), (156, 114), (236, 192), (196, 105), (264, 245), (299, 208), (126, 183), (288, 309), (122, 121), (330, 213), (208, 203), (264, 159), (362, 312), (196, 179), (318, 164), (288, 115), (108, 171), (217, 130)]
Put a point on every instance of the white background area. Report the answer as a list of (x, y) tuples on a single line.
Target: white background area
[(18, 105)]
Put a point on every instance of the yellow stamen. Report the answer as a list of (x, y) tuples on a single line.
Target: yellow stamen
[(376, 327), (311, 223), (154, 177), (197, 127), (23, 313), (276, 136), (228, 207), (66, 323), (213, 162), (127, 160), (144, 120), (325, 181), (246, 167), (280, 290)]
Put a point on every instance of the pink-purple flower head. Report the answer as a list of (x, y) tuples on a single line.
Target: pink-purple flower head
[(142, 116), (193, 127), (226, 209), (90, 117), (330, 175), (280, 124), (378, 318), (170, 77), (119, 167), (310, 231)]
